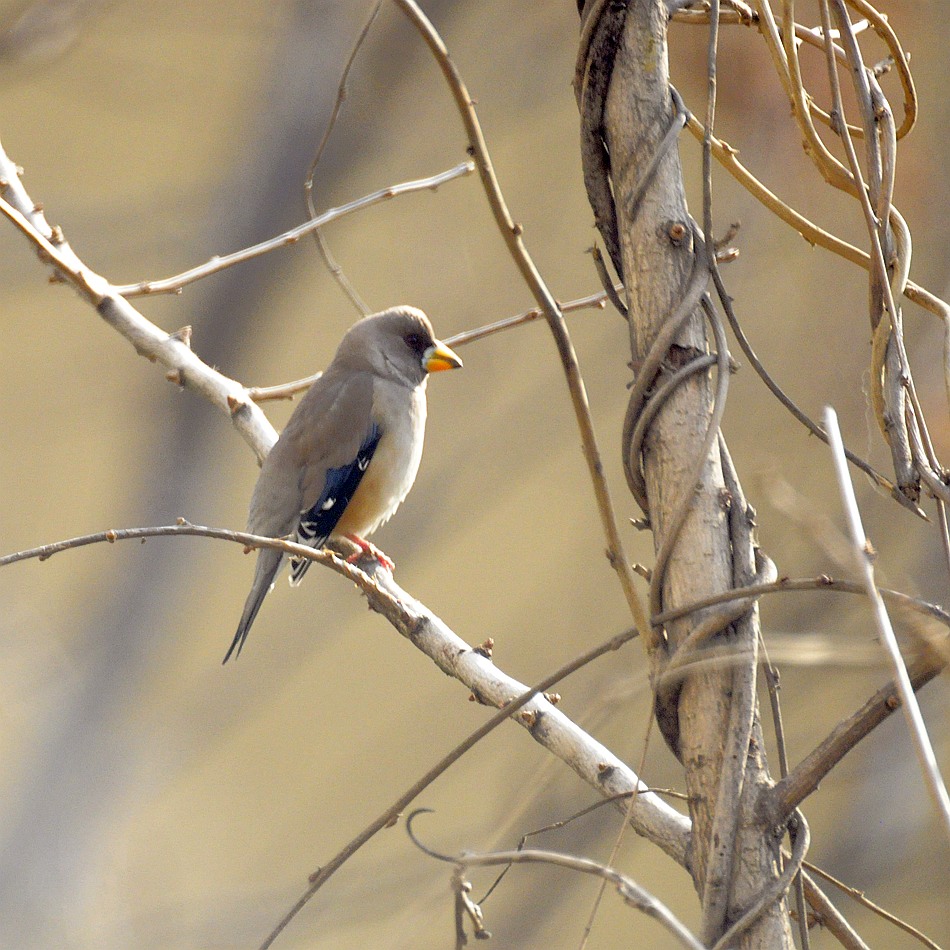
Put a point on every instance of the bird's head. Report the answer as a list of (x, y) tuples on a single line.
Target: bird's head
[(398, 343)]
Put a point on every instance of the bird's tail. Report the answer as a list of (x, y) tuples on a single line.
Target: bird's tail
[(268, 564)]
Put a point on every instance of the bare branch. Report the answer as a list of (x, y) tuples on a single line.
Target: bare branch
[(511, 232), (291, 237), (283, 390), (594, 763), (805, 778), (289, 390), (629, 890), (598, 300), (335, 269), (173, 350), (864, 560), (725, 154), (864, 901)]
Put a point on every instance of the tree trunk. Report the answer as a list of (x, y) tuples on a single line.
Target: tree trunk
[(657, 253)]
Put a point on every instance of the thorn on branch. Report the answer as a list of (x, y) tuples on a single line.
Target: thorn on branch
[(727, 255), (883, 67), (474, 697), (182, 336), (175, 376), (643, 571), (485, 648), (236, 405)]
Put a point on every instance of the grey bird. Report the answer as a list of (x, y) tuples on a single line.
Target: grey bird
[(351, 450)]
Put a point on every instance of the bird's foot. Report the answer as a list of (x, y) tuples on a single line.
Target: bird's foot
[(364, 548)]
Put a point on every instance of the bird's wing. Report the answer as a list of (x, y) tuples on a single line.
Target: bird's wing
[(333, 439), (324, 437), (340, 484)]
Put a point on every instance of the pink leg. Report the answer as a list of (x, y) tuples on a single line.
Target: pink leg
[(366, 548)]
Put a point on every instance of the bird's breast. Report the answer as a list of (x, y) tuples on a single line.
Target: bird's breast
[(395, 462)]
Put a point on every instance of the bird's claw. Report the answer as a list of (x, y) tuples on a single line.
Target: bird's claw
[(366, 548)]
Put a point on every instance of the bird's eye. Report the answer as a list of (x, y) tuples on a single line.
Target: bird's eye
[(416, 342)]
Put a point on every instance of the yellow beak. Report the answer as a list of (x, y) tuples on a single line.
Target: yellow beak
[(439, 357)]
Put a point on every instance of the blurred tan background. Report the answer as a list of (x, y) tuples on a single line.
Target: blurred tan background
[(150, 798)]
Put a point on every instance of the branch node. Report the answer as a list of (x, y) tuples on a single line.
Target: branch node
[(677, 232)]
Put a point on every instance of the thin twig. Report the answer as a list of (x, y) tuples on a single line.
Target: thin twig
[(864, 555), (335, 269), (288, 238), (511, 232), (289, 390), (822, 582), (631, 892), (864, 901), (598, 301), (805, 778), (829, 917), (320, 877), (726, 154)]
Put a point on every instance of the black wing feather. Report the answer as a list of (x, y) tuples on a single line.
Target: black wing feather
[(317, 522)]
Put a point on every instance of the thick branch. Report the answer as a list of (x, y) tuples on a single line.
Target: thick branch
[(172, 350), (593, 762), (687, 497)]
